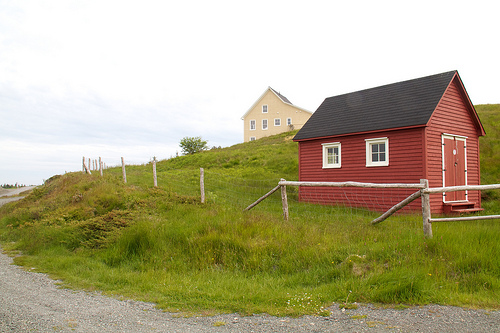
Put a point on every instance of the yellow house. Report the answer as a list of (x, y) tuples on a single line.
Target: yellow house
[(272, 114)]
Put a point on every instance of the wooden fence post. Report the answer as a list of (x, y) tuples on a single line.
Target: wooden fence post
[(124, 174), (100, 165), (202, 185), (85, 167), (426, 209), (155, 180), (83, 164), (284, 200)]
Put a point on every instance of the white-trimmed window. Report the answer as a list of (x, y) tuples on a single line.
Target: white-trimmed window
[(264, 108), (277, 122), (264, 124), (377, 152), (253, 138), (253, 125), (331, 155), (288, 121)]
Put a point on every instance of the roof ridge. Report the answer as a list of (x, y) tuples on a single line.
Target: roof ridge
[(396, 83), (400, 104), (283, 98)]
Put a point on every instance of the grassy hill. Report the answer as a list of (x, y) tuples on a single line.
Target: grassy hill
[(162, 245), (490, 143)]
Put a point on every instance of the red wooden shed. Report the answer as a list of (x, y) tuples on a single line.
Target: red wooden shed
[(425, 128)]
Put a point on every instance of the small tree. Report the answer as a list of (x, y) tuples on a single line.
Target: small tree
[(192, 145)]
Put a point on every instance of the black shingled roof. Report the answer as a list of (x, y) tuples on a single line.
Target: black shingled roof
[(402, 104)]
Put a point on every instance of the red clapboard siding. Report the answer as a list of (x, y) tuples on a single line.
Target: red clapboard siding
[(405, 166), (452, 116)]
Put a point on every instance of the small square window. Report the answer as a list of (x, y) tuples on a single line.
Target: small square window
[(252, 125), (377, 152), (277, 122), (252, 138), (264, 124), (331, 155), (264, 108)]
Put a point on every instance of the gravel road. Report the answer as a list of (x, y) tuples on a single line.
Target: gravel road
[(6, 194), (14, 191), (31, 302)]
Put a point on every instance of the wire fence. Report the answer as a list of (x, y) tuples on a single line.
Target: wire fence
[(237, 189), (344, 204), (333, 202)]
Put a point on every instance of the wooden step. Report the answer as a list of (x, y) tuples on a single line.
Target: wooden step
[(467, 210), (460, 207)]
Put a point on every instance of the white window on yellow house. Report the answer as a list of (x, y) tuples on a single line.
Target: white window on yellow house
[(264, 124), (288, 121), (331, 155), (253, 125), (252, 138), (264, 108), (277, 122)]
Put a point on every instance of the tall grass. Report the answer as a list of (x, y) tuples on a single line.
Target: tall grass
[(162, 245)]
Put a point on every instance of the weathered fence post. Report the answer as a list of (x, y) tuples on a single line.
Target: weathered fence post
[(100, 165), (426, 209), (284, 200), (155, 180), (202, 185), (124, 174), (85, 167)]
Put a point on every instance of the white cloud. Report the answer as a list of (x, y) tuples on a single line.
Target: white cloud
[(76, 76)]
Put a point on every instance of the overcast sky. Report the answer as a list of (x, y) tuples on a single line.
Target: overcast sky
[(131, 78)]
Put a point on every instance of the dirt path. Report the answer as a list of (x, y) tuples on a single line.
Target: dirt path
[(7, 192), (7, 195)]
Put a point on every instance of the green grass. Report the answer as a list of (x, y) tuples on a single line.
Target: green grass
[(161, 245), (490, 156)]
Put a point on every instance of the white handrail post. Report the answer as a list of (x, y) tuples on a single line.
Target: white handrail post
[(284, 200), (426, 209)]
